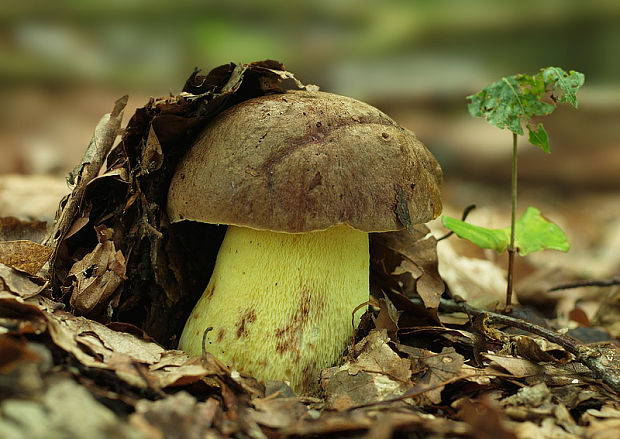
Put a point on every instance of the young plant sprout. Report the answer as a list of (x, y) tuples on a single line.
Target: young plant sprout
[(300, 179), (511, 102)]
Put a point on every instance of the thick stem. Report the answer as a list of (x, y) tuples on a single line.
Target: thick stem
[(511, 247), (280, 304)]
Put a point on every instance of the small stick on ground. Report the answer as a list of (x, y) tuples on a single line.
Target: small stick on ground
[(592, 357), (587, 283)]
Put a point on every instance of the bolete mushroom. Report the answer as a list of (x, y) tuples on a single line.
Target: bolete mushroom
[(300, 178)]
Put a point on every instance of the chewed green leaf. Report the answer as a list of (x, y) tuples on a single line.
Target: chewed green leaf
[(568, 83), (500, 104), (494, 239), (538, 137), (533, 233), (513, 100)]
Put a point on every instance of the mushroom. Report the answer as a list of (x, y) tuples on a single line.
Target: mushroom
[(300, 178)]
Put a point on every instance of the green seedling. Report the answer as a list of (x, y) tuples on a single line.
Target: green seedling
[(511, 103)]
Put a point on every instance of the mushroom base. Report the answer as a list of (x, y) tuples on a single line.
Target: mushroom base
[(280, 304)]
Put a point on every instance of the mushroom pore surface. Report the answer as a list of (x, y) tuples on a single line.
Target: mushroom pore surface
[(281, 304)]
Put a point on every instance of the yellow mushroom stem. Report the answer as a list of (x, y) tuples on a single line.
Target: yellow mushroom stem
[(281, 304)]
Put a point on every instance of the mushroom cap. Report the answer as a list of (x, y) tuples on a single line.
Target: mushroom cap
[(302, 161)]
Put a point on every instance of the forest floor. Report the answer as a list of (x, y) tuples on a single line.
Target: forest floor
[(464, 377)]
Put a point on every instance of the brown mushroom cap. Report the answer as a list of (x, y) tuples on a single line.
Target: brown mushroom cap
[(303, 161)]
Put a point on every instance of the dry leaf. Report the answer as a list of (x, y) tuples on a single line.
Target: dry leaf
[(23, 255), (18, 283), (278, 412), (481, 283), (152, 154), (517, 367), (67, 410), (375, 373), (387, 318), (176, 416), (407, 263), (436, 369), (539, 349), (486, 419), (97, 275)]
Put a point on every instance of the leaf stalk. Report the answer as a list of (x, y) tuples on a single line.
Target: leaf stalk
[(513, 216)]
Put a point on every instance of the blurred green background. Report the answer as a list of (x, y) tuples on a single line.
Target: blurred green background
[(63, 63)]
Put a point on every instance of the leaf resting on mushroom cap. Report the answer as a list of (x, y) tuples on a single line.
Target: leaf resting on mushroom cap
[(303, 161)]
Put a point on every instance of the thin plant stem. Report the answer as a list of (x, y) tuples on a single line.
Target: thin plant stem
[(511, 247)]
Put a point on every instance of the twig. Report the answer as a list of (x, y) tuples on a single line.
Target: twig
[(94, 157), (591, 357), (587, 283)]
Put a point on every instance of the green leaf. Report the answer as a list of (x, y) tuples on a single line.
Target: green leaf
[(494, 239), (538, 137), (568, 83), (513, 100), (533, 233)]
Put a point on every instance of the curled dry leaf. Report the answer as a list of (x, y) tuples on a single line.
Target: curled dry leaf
[(407, 264), (20, 317), (146, 274), (375, 373), (517, 367), (538, 349), (97, 276), (388, 318), (138, 362), (18, 283)]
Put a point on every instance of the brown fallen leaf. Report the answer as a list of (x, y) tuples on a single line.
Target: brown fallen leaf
[(481, 283), (20, 317), (375, 373), (518, 367), (278, 412), (97, 276), (64, 409), (486, 419), (152, 154), (433, 370), (176, 416), (407, 263), (603, 423), (138, 362), (18, 283), (388, 318), (539, 349), (537, 403), (24, 255), (13, 353)]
